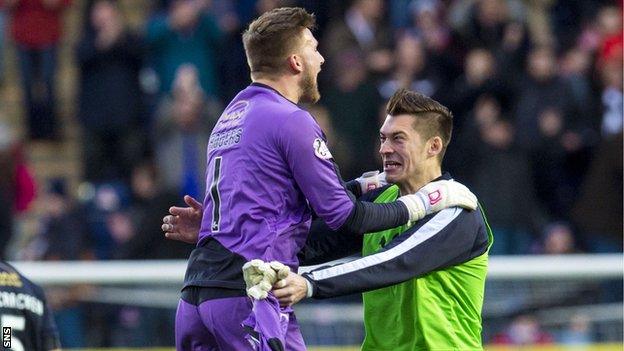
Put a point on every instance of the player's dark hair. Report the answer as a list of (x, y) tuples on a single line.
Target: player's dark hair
[(273, 36), (431, 117)]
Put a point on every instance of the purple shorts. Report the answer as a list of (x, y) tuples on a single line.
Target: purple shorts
[(217, 325)]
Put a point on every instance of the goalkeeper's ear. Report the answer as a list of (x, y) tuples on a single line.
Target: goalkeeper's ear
[(434, 146)]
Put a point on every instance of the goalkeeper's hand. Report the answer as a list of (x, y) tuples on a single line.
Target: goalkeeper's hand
[(437, 196), (260, 276), (371, 180)]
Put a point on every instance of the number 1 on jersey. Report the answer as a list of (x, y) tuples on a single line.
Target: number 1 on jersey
[(214, 194)]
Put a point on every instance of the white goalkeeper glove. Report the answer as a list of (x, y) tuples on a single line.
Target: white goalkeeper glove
[(260, 276), (371, 180), (437, 196)]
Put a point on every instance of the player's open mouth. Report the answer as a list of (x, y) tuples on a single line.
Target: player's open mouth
[(391, 165)]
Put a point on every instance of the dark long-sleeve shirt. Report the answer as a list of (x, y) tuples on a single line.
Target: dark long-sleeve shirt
[(449, 237)]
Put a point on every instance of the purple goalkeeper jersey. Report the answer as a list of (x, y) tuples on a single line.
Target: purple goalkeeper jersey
[(268, 168)]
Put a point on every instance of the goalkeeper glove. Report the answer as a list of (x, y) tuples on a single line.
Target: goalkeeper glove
[(437, 196), (371, 180), (260, 276), (281, 270)]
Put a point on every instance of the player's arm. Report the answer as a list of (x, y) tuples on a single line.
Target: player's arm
[(183, 224), (324, 245), (303, 147), (451, 237)]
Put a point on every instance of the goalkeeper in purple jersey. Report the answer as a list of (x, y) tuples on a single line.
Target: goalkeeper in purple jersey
[(268, 170)]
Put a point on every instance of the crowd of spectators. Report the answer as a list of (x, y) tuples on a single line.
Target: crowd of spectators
[(535, 88)]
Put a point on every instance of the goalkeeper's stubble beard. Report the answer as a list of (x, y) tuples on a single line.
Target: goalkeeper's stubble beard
[(309, 86)]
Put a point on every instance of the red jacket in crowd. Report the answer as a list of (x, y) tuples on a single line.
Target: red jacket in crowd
[(36, 24)]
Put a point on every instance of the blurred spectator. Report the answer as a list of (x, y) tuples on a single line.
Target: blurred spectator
[(552, 150), (121, 228), (538, 21), (495, 25), (36, 29), (2, 40), (485, 22), (493, 161), (411, 70), (354, 105), (100, 201), (598, 210), (551, 128), (137, 232), (609, 20), (557, 239), (428, 23), (479, 77), (17, 186), (572, 22), (362, 29), (182, 128), (541, 88), (575, 67), (233, 68), (64, 236), (186, 35), (110, 58), (612, 98), (513, 51), (524, 330), (578, 332), (139, 237)]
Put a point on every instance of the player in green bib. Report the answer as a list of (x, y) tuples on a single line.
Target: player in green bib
[(423, 284), (440, 310)]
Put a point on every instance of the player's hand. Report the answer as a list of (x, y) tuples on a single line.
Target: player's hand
[(183, 223), (371, 180), (437, 196), (291, 289)]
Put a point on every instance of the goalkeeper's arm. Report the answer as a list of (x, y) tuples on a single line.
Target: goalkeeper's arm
[(451, 237)]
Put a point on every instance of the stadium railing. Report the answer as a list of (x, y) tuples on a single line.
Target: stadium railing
[(531, 267)]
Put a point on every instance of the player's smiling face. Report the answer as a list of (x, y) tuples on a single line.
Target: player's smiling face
[(402, 149)]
